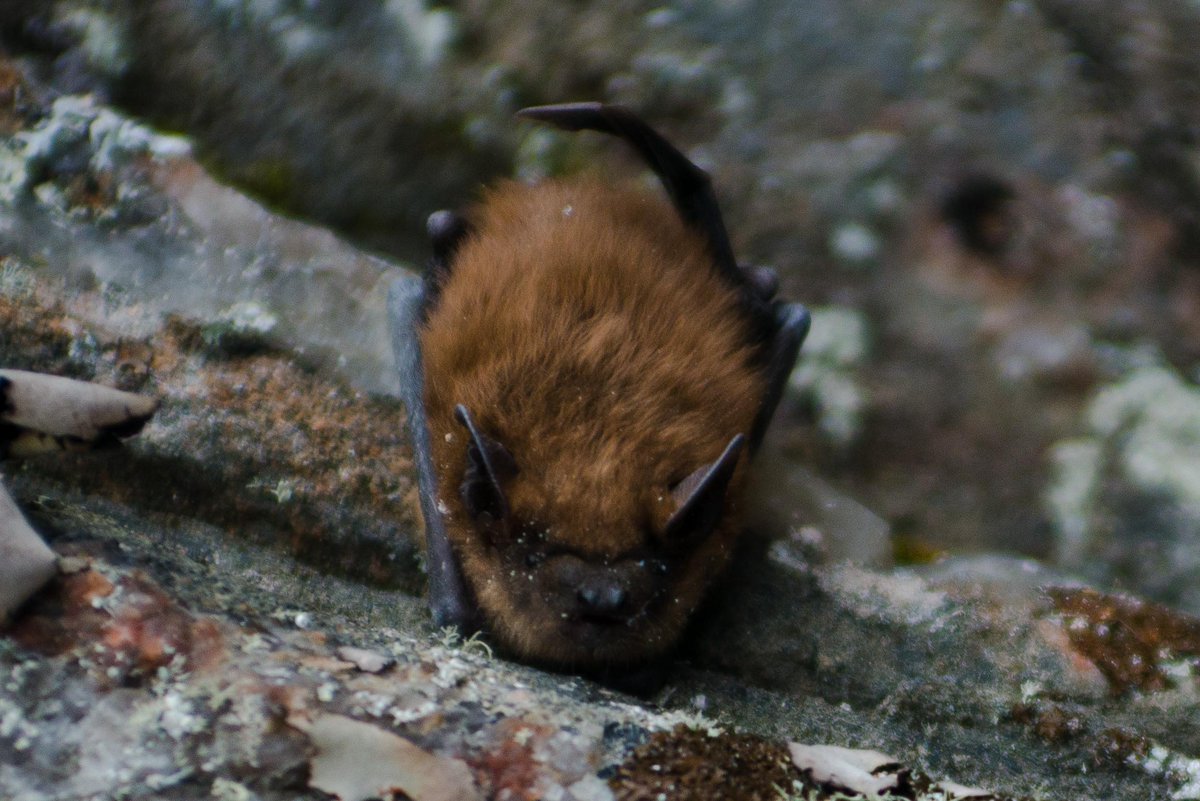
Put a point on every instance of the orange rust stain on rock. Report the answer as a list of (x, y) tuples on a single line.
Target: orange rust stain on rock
[(509, 770), (509, 767), (252, 443), (127, 630), (1127, 638)]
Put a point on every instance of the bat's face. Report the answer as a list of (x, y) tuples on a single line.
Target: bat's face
[(551, 603), (572, 579)]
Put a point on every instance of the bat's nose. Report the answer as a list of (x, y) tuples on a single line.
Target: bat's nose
[(602, 596)]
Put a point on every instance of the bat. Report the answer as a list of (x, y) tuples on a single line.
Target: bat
[(587, 370)]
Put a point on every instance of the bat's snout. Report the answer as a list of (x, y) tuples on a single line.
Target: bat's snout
[(603, 594), (603, 597)]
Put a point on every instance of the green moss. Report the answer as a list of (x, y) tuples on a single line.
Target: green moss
[(273, 180)]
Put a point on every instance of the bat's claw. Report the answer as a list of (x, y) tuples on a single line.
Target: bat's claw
[(446, 230), (763, 280)]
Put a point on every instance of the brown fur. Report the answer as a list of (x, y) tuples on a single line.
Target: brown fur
[(586, 329)]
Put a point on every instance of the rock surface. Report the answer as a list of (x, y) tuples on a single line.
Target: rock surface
[(1005, 192), (1127, 493), (960, 177)]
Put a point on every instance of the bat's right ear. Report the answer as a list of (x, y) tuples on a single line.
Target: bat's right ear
[(701, 497)]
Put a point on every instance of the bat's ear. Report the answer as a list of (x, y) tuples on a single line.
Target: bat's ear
[(700, 498), (488, 464)]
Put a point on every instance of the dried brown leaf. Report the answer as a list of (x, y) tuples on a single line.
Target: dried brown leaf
[(364, 660), (26, 563), (356, 761), (63, 407)]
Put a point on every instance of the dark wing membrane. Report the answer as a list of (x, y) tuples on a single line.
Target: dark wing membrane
[(792, 324), (448, 599), (688, 186), (778, 328)]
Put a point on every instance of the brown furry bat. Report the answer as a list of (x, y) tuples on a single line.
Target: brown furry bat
[(584, 366)]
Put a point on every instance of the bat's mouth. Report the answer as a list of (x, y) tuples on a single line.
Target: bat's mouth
[(599, 631), (604, 621)]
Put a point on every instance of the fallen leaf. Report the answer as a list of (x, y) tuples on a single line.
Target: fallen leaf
[(46, 412), (356, 761), (364, 660), (959, 792), (26, 562), (848, 769), (322, 662), (874, 775)]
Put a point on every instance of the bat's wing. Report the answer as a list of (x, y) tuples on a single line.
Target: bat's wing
[(449, 601), (779, 327), (792, 324), (688, 186)]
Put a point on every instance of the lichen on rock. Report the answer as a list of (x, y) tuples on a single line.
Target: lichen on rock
[(834, 353), (1125, 497), (77, 138)]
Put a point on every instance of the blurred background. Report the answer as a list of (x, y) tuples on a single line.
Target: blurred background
[(993, 209)]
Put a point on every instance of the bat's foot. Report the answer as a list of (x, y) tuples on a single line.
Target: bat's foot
[(446, 230), (794, 322), (452, 613), (763, 280)]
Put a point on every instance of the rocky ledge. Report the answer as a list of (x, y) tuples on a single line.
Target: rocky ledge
[(236, 610)]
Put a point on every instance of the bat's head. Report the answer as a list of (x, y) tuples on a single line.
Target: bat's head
[(572, 579)]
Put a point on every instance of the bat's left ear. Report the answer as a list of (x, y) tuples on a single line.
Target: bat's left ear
[(489, 464), (700, 497)]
